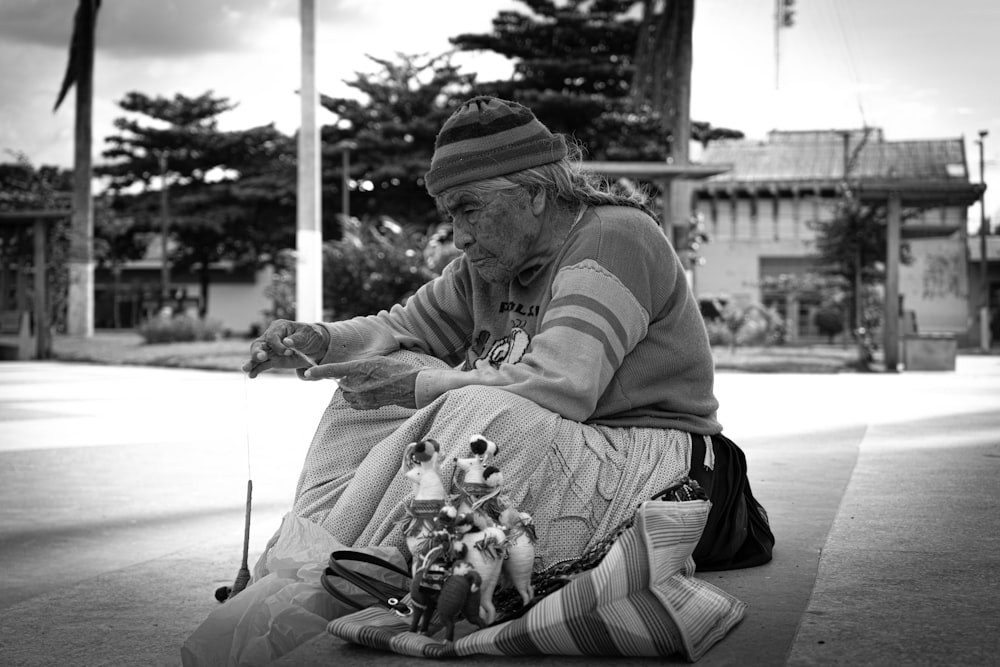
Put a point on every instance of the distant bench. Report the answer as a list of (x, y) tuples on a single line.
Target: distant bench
[(17, 343)]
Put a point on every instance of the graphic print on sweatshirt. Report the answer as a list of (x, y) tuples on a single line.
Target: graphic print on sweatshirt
[(508, 349), (491, 347)]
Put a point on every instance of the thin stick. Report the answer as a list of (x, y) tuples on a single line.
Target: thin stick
[(246, 525), (304, 356), (243, 578)]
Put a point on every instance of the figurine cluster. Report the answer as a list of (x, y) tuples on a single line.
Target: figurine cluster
[(462, 542)]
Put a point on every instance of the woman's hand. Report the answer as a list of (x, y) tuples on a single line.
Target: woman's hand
[(373, 382), (277, 346)]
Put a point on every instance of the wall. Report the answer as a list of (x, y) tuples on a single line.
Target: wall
[(236, 301), (745, 233), (239, 305), (936, 285)]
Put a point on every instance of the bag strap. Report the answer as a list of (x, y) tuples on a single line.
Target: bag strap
[(386, 595), (365, 557)]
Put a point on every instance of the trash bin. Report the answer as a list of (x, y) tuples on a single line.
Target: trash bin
[(929, 352)]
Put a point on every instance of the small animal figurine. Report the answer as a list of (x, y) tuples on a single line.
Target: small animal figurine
[(519, 561), (485, 552), (473, 467), (430, 573), (460, 596), (479, 486), (421, 466), (422, 451)]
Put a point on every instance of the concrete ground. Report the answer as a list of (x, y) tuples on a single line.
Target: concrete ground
[(122, 493)]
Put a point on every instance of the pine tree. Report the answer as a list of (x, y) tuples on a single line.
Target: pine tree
[(575, 64), (231, 194), (392, 128)]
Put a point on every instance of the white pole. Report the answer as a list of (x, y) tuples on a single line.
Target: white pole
[(309, 236)]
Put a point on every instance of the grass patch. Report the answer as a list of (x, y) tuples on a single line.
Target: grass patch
[(786, 359), (118, 348), (130, 349)]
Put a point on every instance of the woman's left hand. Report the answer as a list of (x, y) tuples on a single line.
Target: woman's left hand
[(372, 383)]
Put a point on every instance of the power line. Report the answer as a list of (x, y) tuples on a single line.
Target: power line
[(839, 9)]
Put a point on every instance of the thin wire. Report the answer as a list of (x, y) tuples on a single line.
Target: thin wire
[(851, 64)]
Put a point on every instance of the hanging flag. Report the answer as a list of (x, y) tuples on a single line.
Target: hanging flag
[(84, 23)]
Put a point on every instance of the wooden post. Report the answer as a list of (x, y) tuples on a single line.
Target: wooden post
[(890, 323), (41, 315)]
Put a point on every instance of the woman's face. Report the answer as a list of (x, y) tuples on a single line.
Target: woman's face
[(497, 232)]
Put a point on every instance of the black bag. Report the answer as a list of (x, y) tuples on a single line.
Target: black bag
[(372, 581)]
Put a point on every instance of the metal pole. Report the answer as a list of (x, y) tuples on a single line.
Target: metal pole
[(164, 226), (984, 279), (345, 182), (890, 333)]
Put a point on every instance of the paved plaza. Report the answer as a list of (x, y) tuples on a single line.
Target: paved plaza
[(122, 494)]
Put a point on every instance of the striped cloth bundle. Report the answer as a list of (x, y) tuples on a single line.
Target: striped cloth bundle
[(642, 600)]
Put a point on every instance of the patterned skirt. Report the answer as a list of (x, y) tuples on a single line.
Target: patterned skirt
[(577, 482)]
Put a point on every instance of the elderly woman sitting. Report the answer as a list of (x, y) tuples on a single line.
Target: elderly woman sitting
[(566, 333)]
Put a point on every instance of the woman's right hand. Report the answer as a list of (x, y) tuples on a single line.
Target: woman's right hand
[(274, 348)]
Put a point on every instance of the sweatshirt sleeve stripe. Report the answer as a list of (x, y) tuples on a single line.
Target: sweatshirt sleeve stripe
[(587, 307), (449, 338), (613, 355), (593, 294)]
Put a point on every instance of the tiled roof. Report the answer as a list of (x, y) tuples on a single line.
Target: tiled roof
[(820, 156)]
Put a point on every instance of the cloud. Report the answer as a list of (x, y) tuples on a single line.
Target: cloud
[(45, 22), (140, 28)]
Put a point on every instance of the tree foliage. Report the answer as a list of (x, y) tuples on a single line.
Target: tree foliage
[(23, 187), (574, 64), (230, 195), (852, 243), (184, 132), (390, 131), (372, 268)]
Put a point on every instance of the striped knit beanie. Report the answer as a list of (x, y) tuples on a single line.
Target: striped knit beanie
[(488, 137)]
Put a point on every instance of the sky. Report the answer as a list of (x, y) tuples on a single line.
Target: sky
[(917, 69)]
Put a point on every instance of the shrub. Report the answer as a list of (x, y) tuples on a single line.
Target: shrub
[(182, 328), (281, 291), (718, 332), (372, 269), (829, 320), (746, 324)]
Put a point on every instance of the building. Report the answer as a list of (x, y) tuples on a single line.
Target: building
[(126, 296), (758, 217)]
